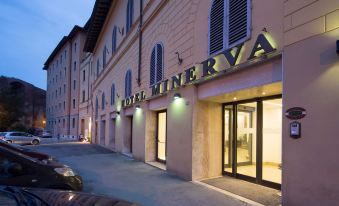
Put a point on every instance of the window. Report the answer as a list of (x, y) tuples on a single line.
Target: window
[(129, 15), (112, 94), (61, 59), (75, 47), (229, 24), (84, 75), (73, 103), (83, 95), (114, 40), (65, 71), (104, 57), (75, 66), (128, 84), (103, 101), (98, 68), (73, 123), (65, 88), (64, 105), (96, 107), (157, 59), (74, 84)]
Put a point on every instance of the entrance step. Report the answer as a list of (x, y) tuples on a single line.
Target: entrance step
[(257, 193)]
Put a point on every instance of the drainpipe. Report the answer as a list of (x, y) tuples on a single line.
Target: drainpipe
[(140, 44)]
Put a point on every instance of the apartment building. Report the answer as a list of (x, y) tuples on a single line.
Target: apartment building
[(210, 88), (63, 77)]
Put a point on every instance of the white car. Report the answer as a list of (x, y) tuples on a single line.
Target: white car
[(19, 138)]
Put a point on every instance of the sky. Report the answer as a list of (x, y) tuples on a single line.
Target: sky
[(31, 29)]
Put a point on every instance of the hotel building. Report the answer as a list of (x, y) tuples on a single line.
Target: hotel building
[(243, 88)]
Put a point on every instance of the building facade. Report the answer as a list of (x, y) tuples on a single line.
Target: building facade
[(219, 87), (85, 103), (63, 77)]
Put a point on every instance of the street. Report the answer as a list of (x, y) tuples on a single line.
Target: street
[(107, 173)]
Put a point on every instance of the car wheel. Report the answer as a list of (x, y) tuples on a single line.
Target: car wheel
[(35, 142), (9, 141)]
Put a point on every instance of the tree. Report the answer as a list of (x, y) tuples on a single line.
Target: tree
[(11, 104)]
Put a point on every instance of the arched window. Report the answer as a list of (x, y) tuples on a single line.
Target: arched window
[(96, 107), (157, 65), (104, 57), (129, 15), (114, 39), (229, 24), (112, 94), (128, 84), (103, 101), (98, 68)]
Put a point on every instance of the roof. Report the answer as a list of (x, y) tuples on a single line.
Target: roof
[(63, 41), (96, 22)]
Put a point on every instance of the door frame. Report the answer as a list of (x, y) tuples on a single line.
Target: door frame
[(156, 137), (233, 143)]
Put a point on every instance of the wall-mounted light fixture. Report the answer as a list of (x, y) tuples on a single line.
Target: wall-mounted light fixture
[(337, 46), (177, 96), (137, 107), (116, 112), (179, 59), (118, 95), (264, 30)]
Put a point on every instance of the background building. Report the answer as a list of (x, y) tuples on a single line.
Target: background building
[(63, 75)]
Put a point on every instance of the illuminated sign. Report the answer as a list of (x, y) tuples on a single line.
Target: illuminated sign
[(261, 46)]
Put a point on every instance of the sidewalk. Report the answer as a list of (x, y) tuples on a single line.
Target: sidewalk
[(108, 173)]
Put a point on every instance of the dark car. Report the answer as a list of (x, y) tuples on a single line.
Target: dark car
[(17, 169), (14, 196), (26, 151)]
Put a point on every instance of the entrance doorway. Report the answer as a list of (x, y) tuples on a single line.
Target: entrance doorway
[(161, 136), (252, 140), (102, 132), (112, 133), (128, 139)]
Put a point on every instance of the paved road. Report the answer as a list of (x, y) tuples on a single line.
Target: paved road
[(112, 174)]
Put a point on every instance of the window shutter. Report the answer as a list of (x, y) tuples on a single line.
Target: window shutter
[(103, 101), (112, 94), (128, 83), (159, 63), (104, 57), (114, 40), (238, 21), (216, 33), (129, 17), (152, 72)]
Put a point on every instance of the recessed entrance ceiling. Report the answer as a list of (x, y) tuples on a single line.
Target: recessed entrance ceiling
[(253, 92)]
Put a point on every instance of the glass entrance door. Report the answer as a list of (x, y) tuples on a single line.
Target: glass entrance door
[(161, 136), (252, 140), (246, 139)]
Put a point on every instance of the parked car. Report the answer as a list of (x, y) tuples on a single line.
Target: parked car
[(17, 169), (46, 197), (19, 138), (26, 151)]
